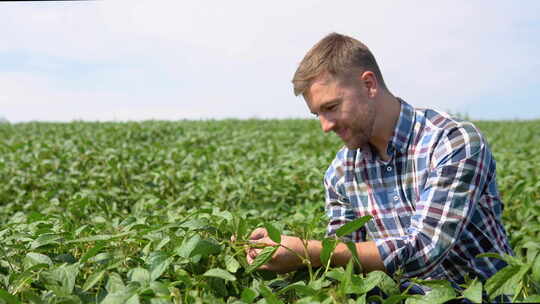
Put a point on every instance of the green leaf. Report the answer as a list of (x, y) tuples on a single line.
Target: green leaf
[(504, 281), (206, 248), (188, 246), (217, 287), (347, 277), (66, 275), (532, 250), (241, 227), (361, 299), (385, 282), (270, 297), (196, 245), (352, 226), (474, 291), (505, 257), (328, 246), (92, 252), (80, 230), (394, 299), (535, 274), (31, 297), (101, 258), (102, 237), (127, 295), (159, 262), (231, 264), (532, 299), (352, 248), (162, 243), (8, 298), (248, 295), (45, 239), (21, 280), (140, 275), (195, 224), (220, 273), (490, 255), (336, 274), (273, 233), (263, 257), (93, 279), (319, 283), (360, 285), (441, 292), (34, 258), (114, 283), (299, 287), (224, 214), (160, 288)]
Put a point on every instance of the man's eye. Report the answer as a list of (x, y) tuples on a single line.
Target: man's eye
[(332, 107)]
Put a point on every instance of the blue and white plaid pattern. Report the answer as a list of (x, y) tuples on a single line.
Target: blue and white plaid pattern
[(435, 203)]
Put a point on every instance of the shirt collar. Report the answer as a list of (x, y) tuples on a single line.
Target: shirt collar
[(403, 129)]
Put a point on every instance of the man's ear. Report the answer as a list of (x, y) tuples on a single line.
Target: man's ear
[(369, 83)]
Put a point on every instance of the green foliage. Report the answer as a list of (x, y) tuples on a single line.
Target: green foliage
[(352, 226), (273, 232), (145, 212), (262, 258), (474, 291)]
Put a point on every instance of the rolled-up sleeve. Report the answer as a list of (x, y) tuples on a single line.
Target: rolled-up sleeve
[(460, 168)]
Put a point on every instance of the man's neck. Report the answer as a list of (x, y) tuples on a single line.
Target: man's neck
[(388, 109)]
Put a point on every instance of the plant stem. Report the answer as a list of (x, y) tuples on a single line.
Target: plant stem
[(7, 259)]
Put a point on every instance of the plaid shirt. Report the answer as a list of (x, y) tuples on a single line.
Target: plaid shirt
[(435, 203)]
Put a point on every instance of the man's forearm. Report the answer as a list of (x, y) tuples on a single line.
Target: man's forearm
[(367, 252)]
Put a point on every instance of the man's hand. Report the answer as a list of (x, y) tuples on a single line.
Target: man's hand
[(287, 257), (283, 259)]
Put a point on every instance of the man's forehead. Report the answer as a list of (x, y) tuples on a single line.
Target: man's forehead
[(321, 91), (323, 80)]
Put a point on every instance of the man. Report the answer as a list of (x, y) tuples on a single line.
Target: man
[(428, 180)]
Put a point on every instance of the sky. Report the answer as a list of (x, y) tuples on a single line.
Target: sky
[(116, 60)]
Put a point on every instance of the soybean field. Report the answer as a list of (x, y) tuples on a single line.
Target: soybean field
[(143, 212)]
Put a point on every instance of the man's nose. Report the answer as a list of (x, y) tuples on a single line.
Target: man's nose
[(326, 124)]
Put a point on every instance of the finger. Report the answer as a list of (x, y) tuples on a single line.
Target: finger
[(253, 252), (258, 233)]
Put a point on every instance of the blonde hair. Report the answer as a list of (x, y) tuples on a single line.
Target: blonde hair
[(338, 55)]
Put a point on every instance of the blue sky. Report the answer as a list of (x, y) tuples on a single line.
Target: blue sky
[(137, 60)]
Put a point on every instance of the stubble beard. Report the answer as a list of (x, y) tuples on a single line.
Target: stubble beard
[(363, 130), (360, 140)]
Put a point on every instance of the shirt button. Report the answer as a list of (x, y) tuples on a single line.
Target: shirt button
[(396, 198), (388, 168)]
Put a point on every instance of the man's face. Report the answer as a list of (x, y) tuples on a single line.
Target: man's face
[(343, 107)]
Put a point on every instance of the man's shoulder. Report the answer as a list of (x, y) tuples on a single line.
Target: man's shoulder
[(448, 135), (445, 126)]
